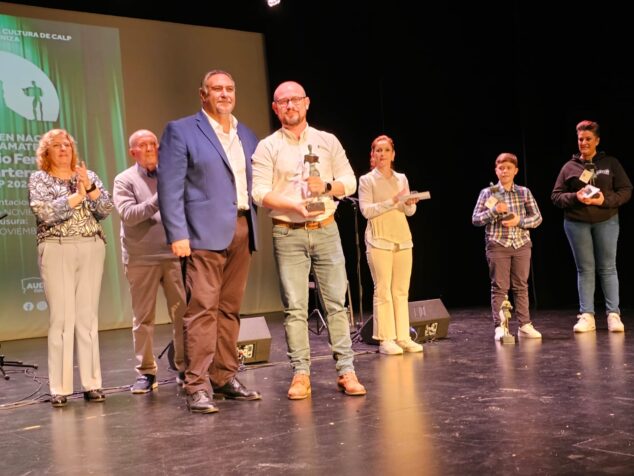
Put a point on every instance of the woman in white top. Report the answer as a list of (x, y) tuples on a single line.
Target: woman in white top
[(389, 245)]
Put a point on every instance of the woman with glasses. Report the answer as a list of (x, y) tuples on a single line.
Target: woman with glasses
[(69, 201)]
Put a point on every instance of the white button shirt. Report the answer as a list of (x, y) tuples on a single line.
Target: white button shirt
[(278, 165), (235, 153)]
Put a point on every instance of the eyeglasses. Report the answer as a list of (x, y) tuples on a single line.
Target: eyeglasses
[(295, 101), (59, 145)]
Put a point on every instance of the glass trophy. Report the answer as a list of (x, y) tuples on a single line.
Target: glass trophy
[(314, 204), (497, 194)]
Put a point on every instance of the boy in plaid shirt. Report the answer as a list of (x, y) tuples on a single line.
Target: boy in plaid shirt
[(508, 211)]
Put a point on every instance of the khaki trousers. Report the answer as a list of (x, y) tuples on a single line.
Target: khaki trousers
[(144, 285)]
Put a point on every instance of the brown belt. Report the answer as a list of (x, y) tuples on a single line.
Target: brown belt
[(307, 225), (243, 212)]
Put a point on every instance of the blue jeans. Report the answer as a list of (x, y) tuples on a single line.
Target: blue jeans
[(594, 249), (295, 252)]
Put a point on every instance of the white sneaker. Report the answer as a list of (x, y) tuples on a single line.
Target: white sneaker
[(527, 330), (499, 333), (585, 323), (614, 323), (389, 347), (409, 345)]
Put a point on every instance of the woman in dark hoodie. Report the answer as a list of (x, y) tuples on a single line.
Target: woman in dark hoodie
[(590, 189)]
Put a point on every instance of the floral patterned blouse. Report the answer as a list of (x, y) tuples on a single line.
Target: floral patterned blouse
[(48, 198)]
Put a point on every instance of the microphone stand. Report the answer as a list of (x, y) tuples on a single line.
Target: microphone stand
[(13, 363), (354, 202)]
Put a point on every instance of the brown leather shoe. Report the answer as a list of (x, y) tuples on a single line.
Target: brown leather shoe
[(200, 402), (300, 387), (349, 384)]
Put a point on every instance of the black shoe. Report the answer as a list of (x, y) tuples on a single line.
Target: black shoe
[(234, 390), (180, 379), (58, 400), (96, 395), (144, 384), (199, 402)]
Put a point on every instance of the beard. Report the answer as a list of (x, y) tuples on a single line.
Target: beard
[(292, 120)]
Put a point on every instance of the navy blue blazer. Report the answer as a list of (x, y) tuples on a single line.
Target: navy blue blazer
[(196, 187)]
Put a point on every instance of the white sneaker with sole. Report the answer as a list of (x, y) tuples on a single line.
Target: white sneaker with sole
[(527, 330), (499, 333), (409, 345), (614, 323), (389, 347), (585, 323)]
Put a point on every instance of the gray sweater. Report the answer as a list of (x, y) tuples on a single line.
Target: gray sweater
[(142, 235)]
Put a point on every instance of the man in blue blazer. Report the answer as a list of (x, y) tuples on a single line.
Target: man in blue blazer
[(204, 191)]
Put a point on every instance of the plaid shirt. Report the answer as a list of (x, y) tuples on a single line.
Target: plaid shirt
[(521, 202)]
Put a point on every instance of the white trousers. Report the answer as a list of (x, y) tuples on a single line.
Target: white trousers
[(71, 270), (391, 272)]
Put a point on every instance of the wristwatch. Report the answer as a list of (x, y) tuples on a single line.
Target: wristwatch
[(328, 187), (92, 187)]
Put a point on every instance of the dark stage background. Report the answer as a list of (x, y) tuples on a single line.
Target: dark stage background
[(454, 86)]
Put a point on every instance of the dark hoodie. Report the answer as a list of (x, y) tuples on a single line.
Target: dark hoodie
[(609, 176)]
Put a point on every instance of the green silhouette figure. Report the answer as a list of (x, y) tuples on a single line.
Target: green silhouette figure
[(36, 93)]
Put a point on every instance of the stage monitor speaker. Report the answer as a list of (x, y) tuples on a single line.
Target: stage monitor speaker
[(254, 340), (428, 320)]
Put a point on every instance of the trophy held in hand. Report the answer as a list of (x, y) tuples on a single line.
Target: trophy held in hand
[(587, 181), (495, 198), (314, 204)]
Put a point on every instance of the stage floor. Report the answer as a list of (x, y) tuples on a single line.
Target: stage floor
[(467, 405)]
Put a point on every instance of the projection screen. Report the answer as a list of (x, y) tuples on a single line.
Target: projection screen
[(102, 77)]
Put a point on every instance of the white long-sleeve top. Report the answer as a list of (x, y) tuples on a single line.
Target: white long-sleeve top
[(278, 165), (376, 193)]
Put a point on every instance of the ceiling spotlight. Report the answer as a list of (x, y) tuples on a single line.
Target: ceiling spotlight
[(272, 3)]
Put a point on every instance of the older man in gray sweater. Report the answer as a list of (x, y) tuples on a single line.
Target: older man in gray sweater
[(148, 259)]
